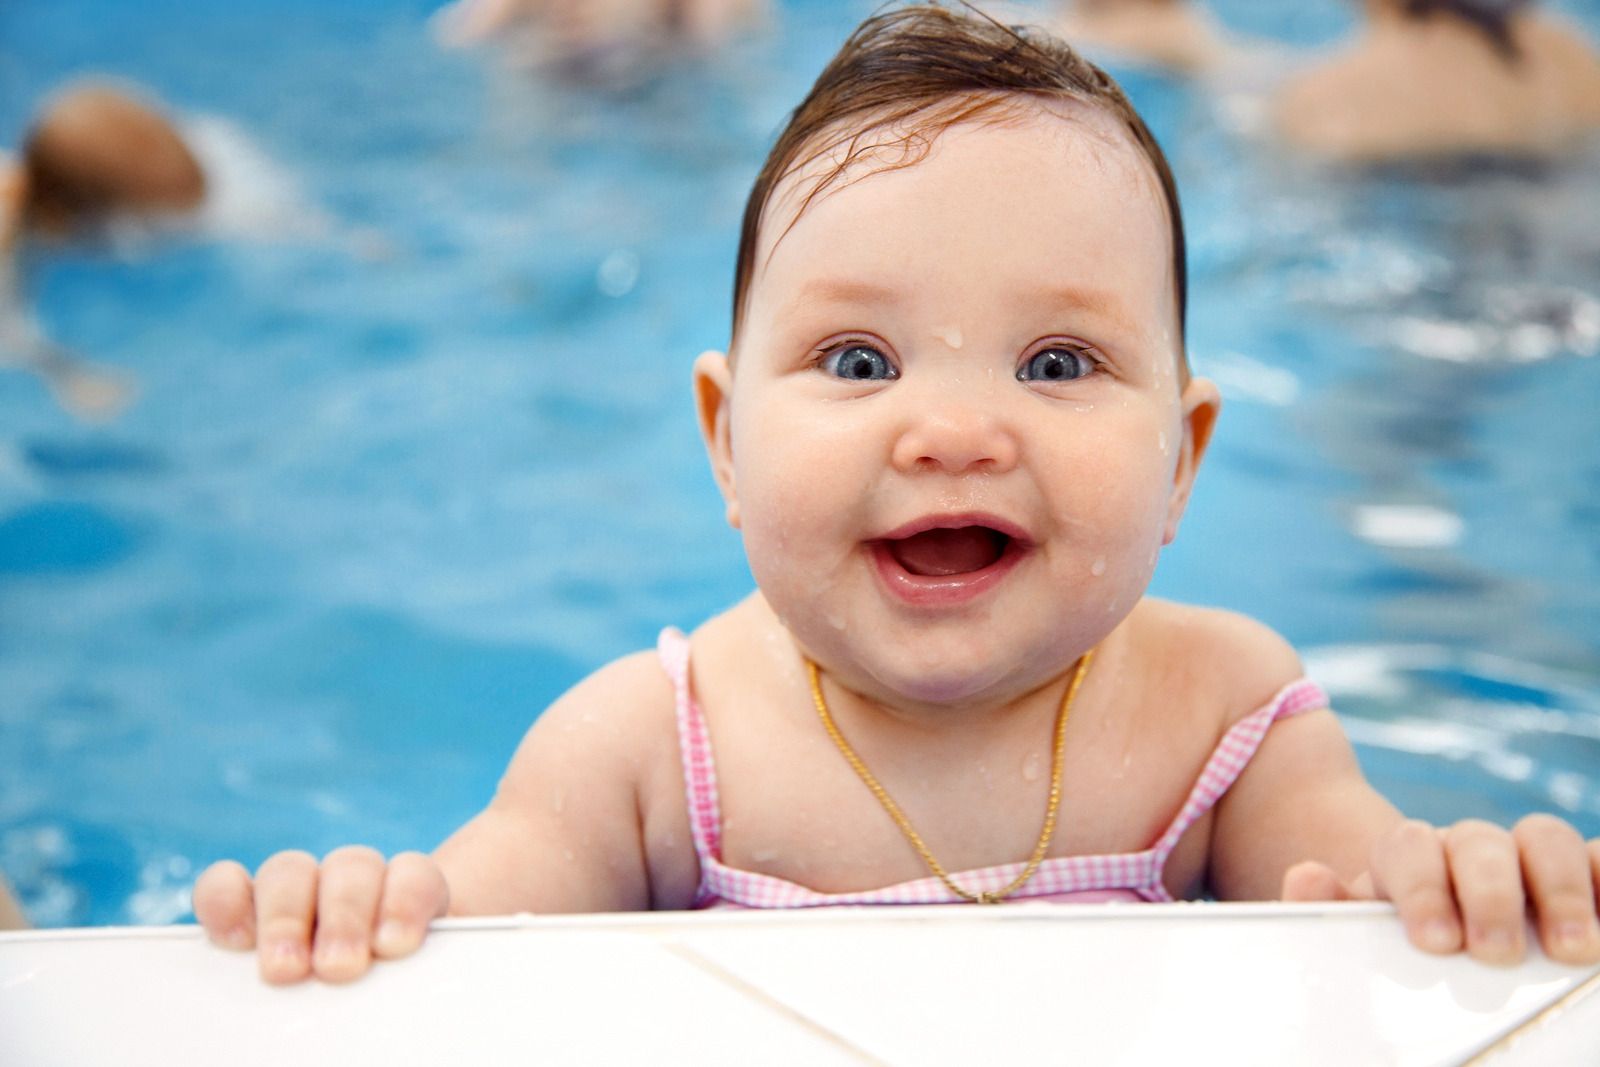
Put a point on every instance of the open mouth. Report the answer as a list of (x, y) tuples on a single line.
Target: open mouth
[(947, 561), (943, 553)]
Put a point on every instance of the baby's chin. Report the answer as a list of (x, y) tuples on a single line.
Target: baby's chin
[(929, 676), (946, 689)]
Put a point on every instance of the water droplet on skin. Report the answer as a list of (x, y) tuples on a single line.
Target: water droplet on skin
[(1161, 438), (1033, 767), (836, 621), (1098, 568), (988, 779), (764, 855), (950, 335)]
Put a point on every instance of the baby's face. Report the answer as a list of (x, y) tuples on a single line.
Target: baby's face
[(954, 438)]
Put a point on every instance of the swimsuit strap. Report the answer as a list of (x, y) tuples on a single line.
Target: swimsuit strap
[(694, 746), (1233, 753)]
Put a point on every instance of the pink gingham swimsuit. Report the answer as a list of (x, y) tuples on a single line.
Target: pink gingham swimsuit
[(1131, 876)]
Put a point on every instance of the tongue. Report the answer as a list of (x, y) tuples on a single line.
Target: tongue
[(936, 553)]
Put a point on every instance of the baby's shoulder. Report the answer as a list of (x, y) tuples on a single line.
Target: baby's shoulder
[(635, 684), (747, 638), (1213, 657), (617, 717), (610, 740)]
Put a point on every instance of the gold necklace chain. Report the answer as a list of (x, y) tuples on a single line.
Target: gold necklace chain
[(910, 831)]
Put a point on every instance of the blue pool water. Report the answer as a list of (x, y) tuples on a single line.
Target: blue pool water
[(386, 492)]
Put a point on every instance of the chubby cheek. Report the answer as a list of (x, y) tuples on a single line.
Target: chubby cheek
[(1124, 587), (797, 507), (1117, 523), (1100, 586)]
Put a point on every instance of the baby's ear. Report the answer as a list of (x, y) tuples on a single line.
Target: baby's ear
[(1200, 402), (713, 397)]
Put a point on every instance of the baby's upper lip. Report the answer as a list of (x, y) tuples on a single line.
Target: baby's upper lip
[(956, 521)]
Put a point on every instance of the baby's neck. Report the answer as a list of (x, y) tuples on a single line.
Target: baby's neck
[(860, 699)]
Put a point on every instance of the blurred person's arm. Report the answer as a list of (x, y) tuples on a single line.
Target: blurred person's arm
[(11, 917), (13, 194)]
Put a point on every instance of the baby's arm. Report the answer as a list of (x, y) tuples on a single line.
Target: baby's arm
[(1303, 823), (563, 833)]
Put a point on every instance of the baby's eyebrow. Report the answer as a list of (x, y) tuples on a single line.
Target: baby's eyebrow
[(1101, 303), (847, 291)]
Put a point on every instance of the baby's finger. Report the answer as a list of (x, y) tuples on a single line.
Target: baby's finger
[(1409, 868), (414, 894), (1487, 874), (1555, 865), (347, 903), (286, 905), (225, 905), (1311, 881)]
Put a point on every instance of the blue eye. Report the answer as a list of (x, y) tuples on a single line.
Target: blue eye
[(1058, 364), (859, 363)]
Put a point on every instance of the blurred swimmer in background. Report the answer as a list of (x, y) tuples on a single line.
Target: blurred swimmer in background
[(95, 153), (1431, 78), (596, 40), (105, 165), (98, 152), (1171, 34)]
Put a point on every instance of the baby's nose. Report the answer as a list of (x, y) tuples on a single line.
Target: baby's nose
[(956, 435)]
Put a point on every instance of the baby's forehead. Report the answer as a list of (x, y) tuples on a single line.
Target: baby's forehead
[(1065, 131)]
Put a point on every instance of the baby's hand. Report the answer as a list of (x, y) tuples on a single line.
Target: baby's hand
[(329, 921), (1478, 881)]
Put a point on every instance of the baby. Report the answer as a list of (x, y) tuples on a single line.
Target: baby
[(955, 426)]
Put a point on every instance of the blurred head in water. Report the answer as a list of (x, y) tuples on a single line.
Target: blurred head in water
[(95, 152), (99, 150), (1492, 18)]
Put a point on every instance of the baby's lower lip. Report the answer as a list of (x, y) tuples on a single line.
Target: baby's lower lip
[(945, 590)]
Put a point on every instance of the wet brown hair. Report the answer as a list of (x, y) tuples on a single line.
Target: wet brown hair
[(97, 150), (922, 69)]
